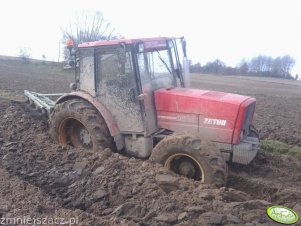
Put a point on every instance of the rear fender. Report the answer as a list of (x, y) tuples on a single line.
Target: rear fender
[(105, 113)]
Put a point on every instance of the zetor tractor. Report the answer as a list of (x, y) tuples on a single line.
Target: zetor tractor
[(133, 96)]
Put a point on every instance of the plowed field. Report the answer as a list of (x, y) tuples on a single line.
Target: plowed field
[(42, 180)]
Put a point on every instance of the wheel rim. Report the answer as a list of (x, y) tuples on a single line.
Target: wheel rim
[(85, 137), (185, 165), (73, 132)]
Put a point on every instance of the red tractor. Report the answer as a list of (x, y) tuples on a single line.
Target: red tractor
[(133, 96)]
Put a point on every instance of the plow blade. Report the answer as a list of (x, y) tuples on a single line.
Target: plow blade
[(42, 101)]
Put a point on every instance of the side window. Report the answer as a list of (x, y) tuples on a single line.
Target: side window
[(174, 59), (159, 64), (86, 70), (87, 61), (113, 66), (160, 70), (108, 63), (142, 68), (115, 74)]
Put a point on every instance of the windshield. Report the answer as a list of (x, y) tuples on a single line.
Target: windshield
[(156, 67)]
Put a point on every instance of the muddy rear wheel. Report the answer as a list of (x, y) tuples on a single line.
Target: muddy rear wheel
[(192, 158), (76, 122)]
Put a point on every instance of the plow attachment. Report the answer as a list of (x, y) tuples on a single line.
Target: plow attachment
[(42, 102)]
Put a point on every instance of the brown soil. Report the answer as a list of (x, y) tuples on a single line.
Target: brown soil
[(42, 179)]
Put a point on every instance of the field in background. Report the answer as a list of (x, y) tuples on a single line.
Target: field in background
[(39, 76), (255, 86)]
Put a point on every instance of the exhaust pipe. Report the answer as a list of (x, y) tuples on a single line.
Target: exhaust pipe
[(186, 74)]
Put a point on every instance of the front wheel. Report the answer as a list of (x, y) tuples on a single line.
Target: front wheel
[(192, 158)]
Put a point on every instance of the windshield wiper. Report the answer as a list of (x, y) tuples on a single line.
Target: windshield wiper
[(163, 61)]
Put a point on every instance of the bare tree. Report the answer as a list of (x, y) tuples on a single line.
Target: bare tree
[(243, 67), (287, 64), (215, 67), (261, 64), (274, 67), (282, 66), (89, 27)]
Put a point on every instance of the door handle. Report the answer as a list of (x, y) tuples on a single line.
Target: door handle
[(142, 96)]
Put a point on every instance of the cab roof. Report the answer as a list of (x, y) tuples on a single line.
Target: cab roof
[(148, 42)]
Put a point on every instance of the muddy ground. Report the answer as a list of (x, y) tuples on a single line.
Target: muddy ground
[(39, 178)]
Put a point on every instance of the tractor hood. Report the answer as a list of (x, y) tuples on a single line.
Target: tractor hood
[(182, 109), (195, 101)]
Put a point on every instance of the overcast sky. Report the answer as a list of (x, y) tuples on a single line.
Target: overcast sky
[(229, 30)]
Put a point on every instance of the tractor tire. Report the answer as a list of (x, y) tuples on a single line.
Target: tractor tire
[(76, 122), (192, 158)]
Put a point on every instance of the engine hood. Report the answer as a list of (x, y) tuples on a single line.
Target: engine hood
[(220, 116), (195, 101)]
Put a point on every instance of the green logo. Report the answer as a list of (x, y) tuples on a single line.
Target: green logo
[(282, 214)]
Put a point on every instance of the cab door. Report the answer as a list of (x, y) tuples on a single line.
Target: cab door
[(117, 89), (147, 95)]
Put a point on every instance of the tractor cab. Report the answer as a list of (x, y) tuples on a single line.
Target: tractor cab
[(123, 74)]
